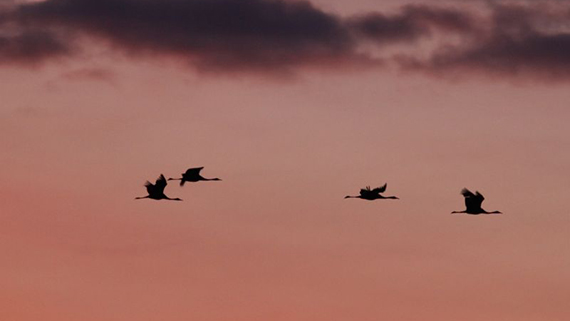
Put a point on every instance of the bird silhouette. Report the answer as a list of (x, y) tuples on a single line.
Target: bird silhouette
[(156, 191), (192, 175), (373, 194), (473, 203)]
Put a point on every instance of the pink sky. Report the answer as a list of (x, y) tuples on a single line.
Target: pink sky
[(275, 240)]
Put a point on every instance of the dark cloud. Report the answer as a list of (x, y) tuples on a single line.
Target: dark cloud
[(542, 55), (531, 41), (411, 23), (231, 35), (281, 36), (210, 34), (30, 47)]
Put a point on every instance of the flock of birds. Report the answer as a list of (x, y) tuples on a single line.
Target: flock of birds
[(155, 191)]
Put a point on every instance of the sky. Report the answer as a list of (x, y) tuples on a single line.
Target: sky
[(294, 105)]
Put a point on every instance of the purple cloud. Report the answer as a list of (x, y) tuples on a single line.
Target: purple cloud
[(278, 36)]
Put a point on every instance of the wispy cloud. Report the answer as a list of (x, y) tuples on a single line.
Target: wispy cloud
[(97, 74), (531, 41), (31, 47), (410, 24), (278, 36)]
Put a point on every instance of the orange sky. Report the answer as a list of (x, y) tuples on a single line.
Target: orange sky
[(275, 240)]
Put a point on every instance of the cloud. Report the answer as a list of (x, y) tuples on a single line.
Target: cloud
[(209, 34), (522, 41), (412, 23), (283, 36), (96, 74), (228, 35), (30, 47)]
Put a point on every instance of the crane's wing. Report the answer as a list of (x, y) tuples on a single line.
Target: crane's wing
[(472, 201), (380, 189), (365, 191), (466, 193), (194, 171), (149, 187), (160, 183), (478, 195)]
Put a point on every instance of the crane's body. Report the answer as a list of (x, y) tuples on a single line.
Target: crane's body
[(473, 203), (193, 175), (156, 190), (373, 194)]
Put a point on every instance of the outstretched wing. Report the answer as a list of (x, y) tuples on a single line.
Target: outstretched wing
[(193, 171), (472, 201), (478, 195), (160, 184), (380, 189), (149, 187), (466, 193)]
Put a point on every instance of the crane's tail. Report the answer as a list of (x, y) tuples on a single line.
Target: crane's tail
[(182, 181)]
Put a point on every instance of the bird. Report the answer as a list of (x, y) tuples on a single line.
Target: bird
[(156, 190), (373, 194), (473, 203), (193, 175)]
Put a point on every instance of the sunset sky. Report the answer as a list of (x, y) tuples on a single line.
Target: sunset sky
[(294, 105)]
